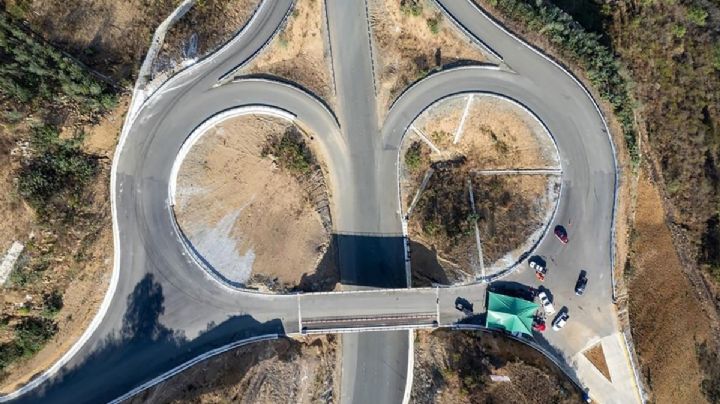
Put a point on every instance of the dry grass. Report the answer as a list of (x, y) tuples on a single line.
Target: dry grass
[(299, 52), (407, 46), (455, 367), (665, 314), (285, 370), (80, 260)]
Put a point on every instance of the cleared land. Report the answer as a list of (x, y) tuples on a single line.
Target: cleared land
[(248, 200), (299, 52), (280, 371), (449, 154), (667, 320), (455, 367), (410, 39)]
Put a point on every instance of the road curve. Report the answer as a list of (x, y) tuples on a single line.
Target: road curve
[(165, 310)]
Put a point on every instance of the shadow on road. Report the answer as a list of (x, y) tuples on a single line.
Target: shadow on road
[(140, 350), (371, 260)]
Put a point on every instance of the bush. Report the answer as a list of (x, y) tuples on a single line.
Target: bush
[(697, 16), (413, 156), (434, 24), (411, 7), (36, 73), (31, 335), (52, 303), (291, 153), (54, 179)]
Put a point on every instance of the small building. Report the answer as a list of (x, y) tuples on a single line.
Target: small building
[(510, 314)]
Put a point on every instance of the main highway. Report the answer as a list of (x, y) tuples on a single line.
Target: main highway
[(167, 307)]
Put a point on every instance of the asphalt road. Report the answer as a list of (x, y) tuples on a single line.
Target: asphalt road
[(166, 309)]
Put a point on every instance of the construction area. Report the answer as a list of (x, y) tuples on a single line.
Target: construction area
[(251, 199), (479, 184)]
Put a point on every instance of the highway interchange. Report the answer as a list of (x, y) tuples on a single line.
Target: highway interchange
[(165, 309)]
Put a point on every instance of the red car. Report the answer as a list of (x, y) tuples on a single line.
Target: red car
[(561, 234)]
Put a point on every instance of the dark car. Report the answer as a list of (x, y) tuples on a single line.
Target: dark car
[(561, 234), (581, 283)]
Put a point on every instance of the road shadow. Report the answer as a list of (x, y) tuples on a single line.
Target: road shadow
[(140, 350), (514, 289), (371, 260), (426, 269)]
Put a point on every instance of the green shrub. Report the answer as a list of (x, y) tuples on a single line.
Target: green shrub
[(54, 179), (697, 16), (413, 156), (434, 25), (34, 72), (411, 7), (52, 303), (291, 153)]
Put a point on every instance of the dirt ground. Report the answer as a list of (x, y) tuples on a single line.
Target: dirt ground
[(406, 47), (81, 263), (495, 135), (281, 371), (596, 356), (300, 52), (207, 26), (110, 36), (455, 367), (666, 318), (259, 227)]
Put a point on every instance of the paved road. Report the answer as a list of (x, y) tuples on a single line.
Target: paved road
[(167, 310)]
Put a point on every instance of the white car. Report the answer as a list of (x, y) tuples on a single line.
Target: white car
[(560, 321), (546, 304)]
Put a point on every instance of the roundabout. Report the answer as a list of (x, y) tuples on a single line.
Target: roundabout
[(166, 308)]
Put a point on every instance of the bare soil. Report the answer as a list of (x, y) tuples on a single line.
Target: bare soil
[(79, 263), (251, 220), (300, 52), (666, 318), (208, 25), (596, 356), (455, 367), (406, 47), (281, 371)]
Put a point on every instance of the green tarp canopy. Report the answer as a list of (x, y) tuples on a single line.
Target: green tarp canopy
[(510, 313)]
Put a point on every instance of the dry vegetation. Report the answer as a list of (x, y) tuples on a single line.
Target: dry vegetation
[(59, 125), (208, 25), (252, 200), (666, 317), (669, 52), (410, 39), (455, 367), (279, 371), (300, 52), (509, 209)]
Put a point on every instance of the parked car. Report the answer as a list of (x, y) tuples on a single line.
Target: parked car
[(581, 283), (561, 234), (538, 265), (560, 321), (546, 304)]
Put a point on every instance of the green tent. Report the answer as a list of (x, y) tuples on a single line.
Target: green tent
[(510, 313)]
